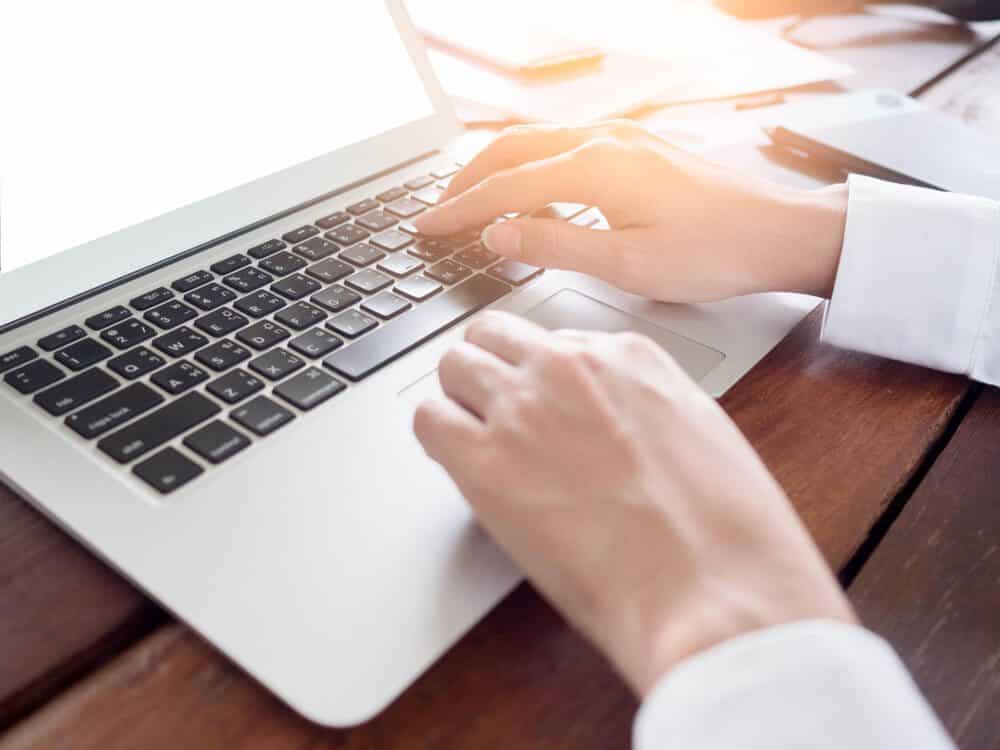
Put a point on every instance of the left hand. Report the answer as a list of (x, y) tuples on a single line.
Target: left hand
[(623, 491)]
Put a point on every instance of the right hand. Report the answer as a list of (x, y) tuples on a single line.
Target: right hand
[(683, 229)]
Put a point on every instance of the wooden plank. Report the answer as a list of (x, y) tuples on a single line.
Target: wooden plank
[(60, 608), (932, 587), (522, 678)]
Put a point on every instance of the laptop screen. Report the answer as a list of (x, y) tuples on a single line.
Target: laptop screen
[(116, 112)]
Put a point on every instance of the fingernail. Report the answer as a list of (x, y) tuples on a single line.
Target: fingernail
[(424, 220), (503, 238)]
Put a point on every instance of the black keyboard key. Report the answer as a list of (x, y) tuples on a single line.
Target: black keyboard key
[(336, 298), (116, 409), (369, 281), (77, 391), (392, 194), (266, 248), (431, 250), (335, 219), (161, 426), (316, 249), (179, 377), (476, 256), (216, 442), (283, 263), (405, 208), (363, 207), (262, 416), (222, 322), (192, 281), (409, 228), (263, 335), (136, 363), (210, 297), (329, 270), (276, 364), (588, 218), (418, 182), (444, 172), (171, 315), (82, 354), (222, 355), (315, 343), (298, 235), (418, 288), (376, 221), (392, 240), (362, 254), (560, 211), (107, 318), (149, 299), (167, 471), (399, 336), (235, 386), (400, 265), (347, 234), (386, 305), (128, 334), (34, 376), (351, 323), (16, 358), (296, 286), (514, 272), (429, 195), (248, 280), (230, 264), (448, 272), (309, 388), (179, 342), (260, 304), (57, 339), (301, 316)]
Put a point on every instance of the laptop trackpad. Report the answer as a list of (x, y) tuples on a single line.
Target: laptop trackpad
[(571, 309)]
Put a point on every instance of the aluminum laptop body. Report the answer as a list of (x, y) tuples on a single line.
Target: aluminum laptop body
[(331, 559)]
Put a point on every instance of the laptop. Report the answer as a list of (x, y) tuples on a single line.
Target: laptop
[(216, 321)]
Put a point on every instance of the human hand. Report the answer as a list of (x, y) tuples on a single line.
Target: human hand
[(622, 491), (683, 229)]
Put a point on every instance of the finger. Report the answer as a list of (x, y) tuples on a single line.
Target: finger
[(584, 175), (506, 336), (552, 243), (513, 147), (472, 377), (446, 430)]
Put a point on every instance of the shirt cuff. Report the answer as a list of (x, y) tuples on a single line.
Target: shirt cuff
[(917, 279), (816, 684)]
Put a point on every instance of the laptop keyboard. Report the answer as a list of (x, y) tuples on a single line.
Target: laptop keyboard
[(227, 355)]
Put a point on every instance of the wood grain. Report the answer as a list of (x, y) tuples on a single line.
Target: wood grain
[(932, 587), (60, 609), (522, 678)]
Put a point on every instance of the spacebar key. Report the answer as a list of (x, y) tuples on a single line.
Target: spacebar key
[(157, 428), (413, 328)]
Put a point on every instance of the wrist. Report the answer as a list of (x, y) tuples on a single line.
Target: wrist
[(810, 234)]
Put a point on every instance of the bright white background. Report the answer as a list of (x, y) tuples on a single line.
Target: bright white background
[(113, 112)]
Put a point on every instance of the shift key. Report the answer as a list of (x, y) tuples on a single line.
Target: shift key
[(159, 427)]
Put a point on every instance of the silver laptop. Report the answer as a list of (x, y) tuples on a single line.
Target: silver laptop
[(216, 321)]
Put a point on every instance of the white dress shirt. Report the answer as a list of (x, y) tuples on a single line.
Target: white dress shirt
[(918, 281)]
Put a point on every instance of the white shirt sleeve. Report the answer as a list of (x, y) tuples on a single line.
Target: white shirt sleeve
[(918, 280), (818, 685)]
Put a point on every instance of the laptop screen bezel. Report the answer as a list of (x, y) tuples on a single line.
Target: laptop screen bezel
[(75, 274)]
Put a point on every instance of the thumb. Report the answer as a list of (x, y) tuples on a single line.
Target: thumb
[(552, 243)]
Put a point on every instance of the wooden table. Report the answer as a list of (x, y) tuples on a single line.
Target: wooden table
[(895, 469)]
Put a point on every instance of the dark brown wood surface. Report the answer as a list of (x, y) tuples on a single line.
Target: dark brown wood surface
[(932, 586), (523, 678), (843, 433)]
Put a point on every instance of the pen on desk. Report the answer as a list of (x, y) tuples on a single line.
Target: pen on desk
[(847, 162)]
